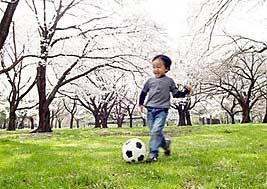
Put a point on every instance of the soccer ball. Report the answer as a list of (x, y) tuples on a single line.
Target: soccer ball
[(134, 150)]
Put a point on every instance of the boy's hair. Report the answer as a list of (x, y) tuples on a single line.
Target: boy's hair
[(165, 59)]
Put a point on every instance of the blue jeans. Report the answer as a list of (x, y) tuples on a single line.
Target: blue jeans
[(156, 118)]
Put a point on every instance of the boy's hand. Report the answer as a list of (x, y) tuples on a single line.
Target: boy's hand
[(188, 88), (141, 108)]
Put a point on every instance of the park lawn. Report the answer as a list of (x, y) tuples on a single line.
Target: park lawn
[(223, 156)]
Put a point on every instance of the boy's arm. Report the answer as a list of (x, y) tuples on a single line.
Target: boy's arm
[(144, 93), (181, 94), (141, 101), (142, 98), (176, 93)]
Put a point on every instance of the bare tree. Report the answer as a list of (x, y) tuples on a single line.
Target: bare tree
[(101, 101), (131, 104), (265, 115), (6, 21), (72, 110), (185, 105), (14, 100), (211, 14), (100, 107), (126, 104), (57, 113), (119, 112), (3, 119), (241, 76), (88, 33), (265, 100), (231, 107), (4, 29), (75, 41), (19, 88), (243, 80)]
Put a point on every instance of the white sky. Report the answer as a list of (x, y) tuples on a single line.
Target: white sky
[(171, 13), (248, 19)]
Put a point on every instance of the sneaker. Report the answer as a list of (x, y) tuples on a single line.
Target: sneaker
[(151, 159), (167, 150)]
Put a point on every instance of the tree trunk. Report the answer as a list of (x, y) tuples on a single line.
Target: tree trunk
[(181, 113), (245, 114), (32, 122), (130, 113), (59, 123), (4, 125), (12, 120), (77, 123), (71, 121), (188, 118), (131, 120), (44, 113), (104, 122), (97, 121), (52, 118), (144, 122), (181, 119), (54, 124), (265, 116), (119, 122), (6, 21), (232, 118)]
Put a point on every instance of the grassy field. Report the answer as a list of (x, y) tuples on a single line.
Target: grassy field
[(202, 157)]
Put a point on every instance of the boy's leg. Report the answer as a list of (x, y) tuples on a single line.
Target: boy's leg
[(156, 132), (167, 149), (150, 122)]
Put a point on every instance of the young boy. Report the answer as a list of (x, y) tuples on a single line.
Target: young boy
[(158, 104)]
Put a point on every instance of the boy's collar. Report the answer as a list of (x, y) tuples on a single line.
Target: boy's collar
[(161, 76)]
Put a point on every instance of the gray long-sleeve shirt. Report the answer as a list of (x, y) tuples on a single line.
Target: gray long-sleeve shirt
[(159, 90)]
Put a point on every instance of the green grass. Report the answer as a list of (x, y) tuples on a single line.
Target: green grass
[(202, 157)]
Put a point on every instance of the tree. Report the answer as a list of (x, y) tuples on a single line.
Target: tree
[(2, 119), (211, 17), (72, 110), (4, 28), (126, 103), (265, 115), (230, 107), (75, 43), (131, 104), (101, 100), (57, 113), (214, 18), (185, 105), (100, 107), (6, 21), (19, 88), (242, 76), (181, 107), (92, 35), (119, 112), (265, 99)]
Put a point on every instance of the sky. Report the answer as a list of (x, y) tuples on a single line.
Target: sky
[(248, 19), (170, 13)]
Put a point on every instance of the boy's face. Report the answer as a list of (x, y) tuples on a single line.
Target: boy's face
[(159, 68)]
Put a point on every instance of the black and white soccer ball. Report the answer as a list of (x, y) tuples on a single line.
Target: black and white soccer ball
[(134, 150)]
